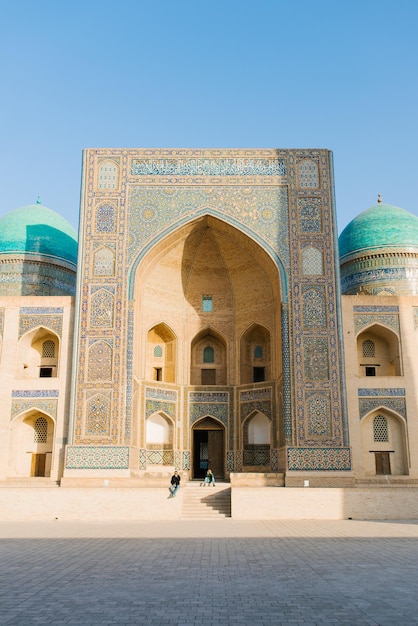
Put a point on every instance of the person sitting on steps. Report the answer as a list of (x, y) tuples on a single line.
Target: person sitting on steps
[(209, 479)]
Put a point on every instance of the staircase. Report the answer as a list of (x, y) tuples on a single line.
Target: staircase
[(206, 502)]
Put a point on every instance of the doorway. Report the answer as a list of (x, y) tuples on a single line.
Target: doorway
[(208, 448), (38, 464)]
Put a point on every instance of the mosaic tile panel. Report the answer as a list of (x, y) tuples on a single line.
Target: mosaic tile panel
[(142, 459), (167, 395), (318, 408), (105, 218), (97, 457), (208, 167), (252, 395), (230, 456), (315, 358), (381, 391), (157, 406), (1, 322), (35, 393), (308, 173), (310, 215), (186, 460), (261, 406), (43, 405), (274, 461), (319, 459), (314, 311), (153, 210), (208, 396), (29, 322), (415, 315), (362, 321), (98, 415), (256, 457), (219, 411), (375, 309), (366, 405), (100, 356), (160, 457), (102, 305)]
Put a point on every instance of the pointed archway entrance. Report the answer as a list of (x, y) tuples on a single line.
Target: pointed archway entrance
[(208, 448)]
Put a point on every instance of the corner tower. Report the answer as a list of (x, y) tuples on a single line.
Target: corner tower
[(208, 316)]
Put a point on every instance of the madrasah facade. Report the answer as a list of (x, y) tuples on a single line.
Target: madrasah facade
[(207, 315)]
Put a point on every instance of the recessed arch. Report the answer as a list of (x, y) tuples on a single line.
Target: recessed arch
[(378, 351), (255, 354), (32, 435), (38, 354), (384, 442)]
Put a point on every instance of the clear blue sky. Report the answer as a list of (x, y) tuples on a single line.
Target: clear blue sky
[(333, 74)]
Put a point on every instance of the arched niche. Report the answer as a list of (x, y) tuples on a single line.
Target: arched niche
[(255, 355), (208, 359), (257, 440), (159, 435), (384, 443), (32, 441), (161, 354), (378, 352), (38, 354)]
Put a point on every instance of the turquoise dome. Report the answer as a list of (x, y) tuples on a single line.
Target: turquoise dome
[(35, 229), (381, 226)]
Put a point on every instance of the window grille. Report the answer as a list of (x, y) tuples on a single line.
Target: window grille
[(380, 428), (48, 349), (368, 348), (40, 430)]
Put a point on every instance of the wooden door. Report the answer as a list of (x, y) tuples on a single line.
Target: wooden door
[(216, 452), (38, 464), (382, 462)]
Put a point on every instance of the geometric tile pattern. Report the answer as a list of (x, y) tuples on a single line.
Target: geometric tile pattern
[(48, 406), (360, 321), (97, 457), (366, 405), (319, 459), (51, 322)]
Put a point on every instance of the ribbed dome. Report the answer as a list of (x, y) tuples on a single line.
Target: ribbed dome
[(35, 229), (381, 226)]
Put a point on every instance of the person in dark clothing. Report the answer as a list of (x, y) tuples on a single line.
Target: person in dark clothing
[(175, 484)]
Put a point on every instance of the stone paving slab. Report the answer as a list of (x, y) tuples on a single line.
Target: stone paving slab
[(209, 573)]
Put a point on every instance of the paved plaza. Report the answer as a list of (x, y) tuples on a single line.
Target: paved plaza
[(209, 573)]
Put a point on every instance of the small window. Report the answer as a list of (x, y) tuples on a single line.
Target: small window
[(258, 352), (158, 373), (370, 371), (45, 372), (368, 348), (158, 351), (40, 430), (207, 304), (258, 374), (208, 355), (380, 428), (48, 349)]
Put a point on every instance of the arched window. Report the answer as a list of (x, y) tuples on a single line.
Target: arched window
[(158, 351), (40, 430), (368, 348), (380, 428), (48, 349), (258, 352), (208, 355)]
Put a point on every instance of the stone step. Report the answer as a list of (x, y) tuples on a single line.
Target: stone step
[(32, 482), (208, 502)]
